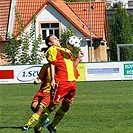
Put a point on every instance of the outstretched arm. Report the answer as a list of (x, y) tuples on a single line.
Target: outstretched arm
[(52, 71), (80, 55)]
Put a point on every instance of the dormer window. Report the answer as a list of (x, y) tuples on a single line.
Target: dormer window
[(49, 28)]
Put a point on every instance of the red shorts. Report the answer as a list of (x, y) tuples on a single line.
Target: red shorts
[(66, 90), (42, 98)]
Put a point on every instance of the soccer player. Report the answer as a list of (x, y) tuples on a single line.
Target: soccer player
[(42, 97), (63, 72)]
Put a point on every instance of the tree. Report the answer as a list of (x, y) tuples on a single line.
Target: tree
[(131, 21), (120, 33), (11, 50), (30, 46), (66, 34), (24, 48)]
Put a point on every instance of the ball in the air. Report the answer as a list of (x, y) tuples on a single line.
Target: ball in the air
[(73, 42)]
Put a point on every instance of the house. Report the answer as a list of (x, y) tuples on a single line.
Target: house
[(87, 19)]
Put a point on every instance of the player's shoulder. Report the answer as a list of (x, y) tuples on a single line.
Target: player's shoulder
[(52, 48)]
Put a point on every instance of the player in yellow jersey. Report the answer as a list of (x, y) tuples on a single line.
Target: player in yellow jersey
[(63, 72), (42, 97)]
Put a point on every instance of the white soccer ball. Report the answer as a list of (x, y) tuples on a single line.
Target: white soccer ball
[(73, 42)]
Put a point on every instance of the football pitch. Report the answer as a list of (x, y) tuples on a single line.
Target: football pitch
[(99, 107)]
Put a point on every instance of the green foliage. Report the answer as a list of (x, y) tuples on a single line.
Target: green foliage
[(64, 36), (11, 49), (23, 56), (20, 22), (120, 33), (131, 21), (35, 58), (30, 46), (24, 48)]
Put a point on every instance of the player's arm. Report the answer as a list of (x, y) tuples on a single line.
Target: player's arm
[(50, 55), (80, 55), (52, 71), (39, 79)]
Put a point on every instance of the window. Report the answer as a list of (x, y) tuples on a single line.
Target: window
[(49, 28)]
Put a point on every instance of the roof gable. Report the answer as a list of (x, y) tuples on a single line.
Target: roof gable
[(62, 7), (77, 13)]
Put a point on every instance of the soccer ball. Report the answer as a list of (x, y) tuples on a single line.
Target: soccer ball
[(73, 42)]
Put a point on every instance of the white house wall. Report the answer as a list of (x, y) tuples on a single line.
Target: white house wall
[(50, 14)]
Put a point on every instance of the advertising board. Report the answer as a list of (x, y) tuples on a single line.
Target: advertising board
[(88, 72)]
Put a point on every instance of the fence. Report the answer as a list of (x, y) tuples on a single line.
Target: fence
[(88, 72)]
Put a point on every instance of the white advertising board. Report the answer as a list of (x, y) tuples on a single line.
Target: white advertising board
[(89, 72), (109, 71), (19, 73)]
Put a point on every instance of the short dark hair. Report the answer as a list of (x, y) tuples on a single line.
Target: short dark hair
[(47, 40), (44, 49)]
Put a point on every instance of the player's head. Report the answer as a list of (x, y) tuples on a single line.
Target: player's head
[(52, 40)]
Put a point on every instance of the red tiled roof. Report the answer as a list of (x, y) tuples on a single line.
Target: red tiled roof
[(27, 8), (4, 15), (77, 14), (82, 10)]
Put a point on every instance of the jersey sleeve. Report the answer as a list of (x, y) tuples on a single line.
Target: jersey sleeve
[(51, 54)]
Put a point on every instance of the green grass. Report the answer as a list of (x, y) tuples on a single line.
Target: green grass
[(99, 107)]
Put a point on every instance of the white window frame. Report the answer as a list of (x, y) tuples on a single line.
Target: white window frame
[(48, 29)]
